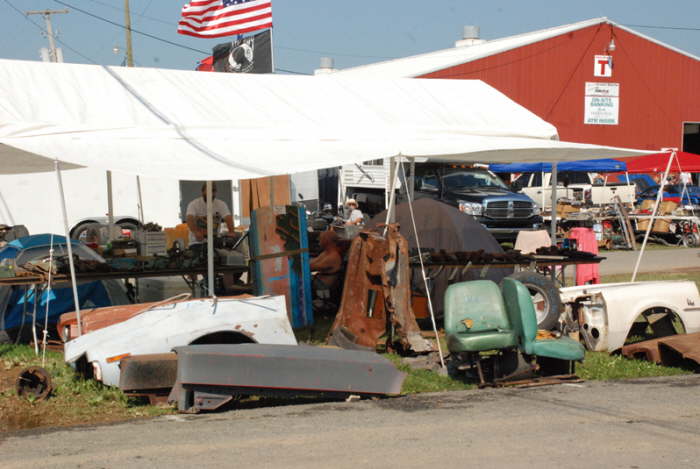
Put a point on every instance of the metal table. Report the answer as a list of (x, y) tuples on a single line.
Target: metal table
[(537, 261)]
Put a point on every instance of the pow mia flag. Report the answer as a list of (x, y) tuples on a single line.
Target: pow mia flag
[(248, 55)]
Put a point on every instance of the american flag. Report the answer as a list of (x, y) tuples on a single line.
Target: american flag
[(217, 18)]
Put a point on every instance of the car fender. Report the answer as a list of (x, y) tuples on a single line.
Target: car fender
[(159, 330), (624, 302)]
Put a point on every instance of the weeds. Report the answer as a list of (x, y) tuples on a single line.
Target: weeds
[(73, 401), (602, 366)]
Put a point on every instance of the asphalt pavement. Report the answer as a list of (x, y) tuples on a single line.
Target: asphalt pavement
[(644, 423)]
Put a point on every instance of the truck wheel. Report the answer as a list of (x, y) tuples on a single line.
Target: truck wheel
[(545, 297)]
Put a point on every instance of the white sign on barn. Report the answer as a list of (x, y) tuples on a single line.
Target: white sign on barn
[(602, 103)]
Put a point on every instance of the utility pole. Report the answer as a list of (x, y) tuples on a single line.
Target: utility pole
[(53, 55), (127, 24)]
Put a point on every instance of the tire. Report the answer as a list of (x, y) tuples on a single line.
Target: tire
[(545, 296)]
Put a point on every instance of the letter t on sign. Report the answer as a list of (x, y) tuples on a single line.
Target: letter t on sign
[(602, 66)]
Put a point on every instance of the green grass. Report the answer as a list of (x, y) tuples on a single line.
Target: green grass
[(602, 366), (654, 276), (73, 400), (425, 380)]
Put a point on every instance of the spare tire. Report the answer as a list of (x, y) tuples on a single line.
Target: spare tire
[(545, 296)]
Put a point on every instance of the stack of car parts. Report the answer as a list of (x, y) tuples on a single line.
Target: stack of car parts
[(376, 298)]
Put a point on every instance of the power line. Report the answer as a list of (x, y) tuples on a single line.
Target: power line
[(43, 30), (154, 37), (294, 49), (140, 15), (338, 54), (676, 28), (291, 71), (132, 30)]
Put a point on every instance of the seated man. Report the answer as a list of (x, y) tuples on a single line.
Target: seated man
[(356, 217), (197, 216), (197, 223), (327, 265)]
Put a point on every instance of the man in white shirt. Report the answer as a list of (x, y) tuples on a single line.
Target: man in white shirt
[(356, 217), (196, 216)]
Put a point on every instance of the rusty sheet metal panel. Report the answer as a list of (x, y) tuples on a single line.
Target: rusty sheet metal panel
[(377, 296), (670, 351), (647, 350), (148, 373), (209, 376)]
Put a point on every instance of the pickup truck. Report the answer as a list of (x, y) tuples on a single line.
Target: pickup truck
[(582, 187), (481, 194)]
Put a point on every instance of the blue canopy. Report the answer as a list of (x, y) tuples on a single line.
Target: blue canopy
[(20, 306), (33, 241), (584, 166)]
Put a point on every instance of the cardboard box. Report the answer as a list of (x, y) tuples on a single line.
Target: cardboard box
[(647, 204), (667, 207), (661, 225), (564, 209), (151, 243)]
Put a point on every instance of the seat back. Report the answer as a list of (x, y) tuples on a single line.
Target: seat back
[(521, 311), (479, 301)]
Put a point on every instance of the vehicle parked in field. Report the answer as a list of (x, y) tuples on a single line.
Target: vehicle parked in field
[(688, 195), (480, 193), (587, 188)]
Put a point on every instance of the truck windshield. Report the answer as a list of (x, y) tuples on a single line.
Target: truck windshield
[(464, 179)]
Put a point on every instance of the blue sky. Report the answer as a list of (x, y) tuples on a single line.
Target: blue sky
[(353, 33)]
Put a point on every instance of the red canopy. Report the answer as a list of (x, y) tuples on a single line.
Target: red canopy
[(656, 163)]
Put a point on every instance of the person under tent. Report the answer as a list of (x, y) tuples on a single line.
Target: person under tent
[(356, 217), (327, 268), (196, 216)]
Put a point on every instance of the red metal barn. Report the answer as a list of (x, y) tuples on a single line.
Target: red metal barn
[(596, 81)]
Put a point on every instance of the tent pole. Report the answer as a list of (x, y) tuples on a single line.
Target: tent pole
[(425, 278), (71, 263), (390, 186), (544, 196), (140, 199), (45, 332), (553, 222), (210, 239), (110, 205), (412, 179), (659, 195), (390, 211)]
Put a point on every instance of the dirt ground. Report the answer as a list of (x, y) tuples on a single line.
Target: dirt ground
[(63, 410)]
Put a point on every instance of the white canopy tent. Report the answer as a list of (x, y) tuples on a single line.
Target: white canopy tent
[(200, 126), (207, 126)]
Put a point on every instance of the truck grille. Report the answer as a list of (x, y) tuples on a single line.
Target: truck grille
[(508, 209)]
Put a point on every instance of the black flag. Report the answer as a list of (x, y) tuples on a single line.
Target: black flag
[(252, 54)]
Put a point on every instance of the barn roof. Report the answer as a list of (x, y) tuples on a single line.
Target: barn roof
[(423, 64)]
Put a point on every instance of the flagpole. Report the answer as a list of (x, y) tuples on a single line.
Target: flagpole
[(272, 51)]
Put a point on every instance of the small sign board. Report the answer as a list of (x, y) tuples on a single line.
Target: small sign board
[(602, 104), (602, 66)]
